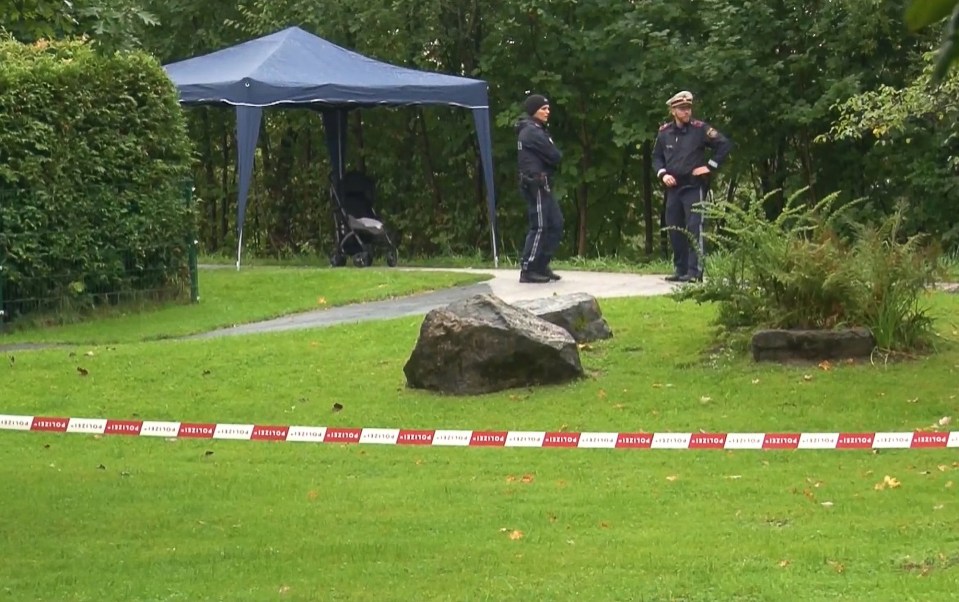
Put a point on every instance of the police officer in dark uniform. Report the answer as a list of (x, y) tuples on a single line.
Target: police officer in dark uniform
[(679, 159), (538, 159)]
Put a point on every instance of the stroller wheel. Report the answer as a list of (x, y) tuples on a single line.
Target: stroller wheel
[(391, 258), (362, 260), (337, 259)]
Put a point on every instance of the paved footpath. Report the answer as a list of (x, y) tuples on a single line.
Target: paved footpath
[(504, 284)]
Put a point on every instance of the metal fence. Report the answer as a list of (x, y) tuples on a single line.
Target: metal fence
[(148, 274)]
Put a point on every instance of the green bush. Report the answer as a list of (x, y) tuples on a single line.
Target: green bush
[(811, 269), (94, 157)]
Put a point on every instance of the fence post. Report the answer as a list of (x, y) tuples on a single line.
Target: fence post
[(192, 248), (2, 312)]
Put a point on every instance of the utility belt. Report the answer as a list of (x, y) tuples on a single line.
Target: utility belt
[(539, 180)]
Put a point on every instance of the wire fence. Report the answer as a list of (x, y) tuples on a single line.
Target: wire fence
[(149, 264)]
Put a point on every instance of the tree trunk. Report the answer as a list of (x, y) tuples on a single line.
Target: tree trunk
[(210, 170), (225, 197), (648, 195), (430, 170)]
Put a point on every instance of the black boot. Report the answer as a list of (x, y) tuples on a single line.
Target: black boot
[(551, 274), (529, 276)]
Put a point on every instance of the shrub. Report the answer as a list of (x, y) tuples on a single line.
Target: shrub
[(94, 157), (811, 268)]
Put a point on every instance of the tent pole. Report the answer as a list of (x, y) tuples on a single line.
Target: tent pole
[(239, 246), (492, 232)]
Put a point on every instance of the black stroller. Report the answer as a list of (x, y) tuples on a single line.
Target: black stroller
[(359, 230)]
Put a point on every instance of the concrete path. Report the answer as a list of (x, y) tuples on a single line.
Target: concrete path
[(504, 284)]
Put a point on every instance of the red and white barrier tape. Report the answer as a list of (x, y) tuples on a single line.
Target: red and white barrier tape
[(438, 438)]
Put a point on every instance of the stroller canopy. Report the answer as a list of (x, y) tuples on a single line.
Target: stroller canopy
[(294, 68)]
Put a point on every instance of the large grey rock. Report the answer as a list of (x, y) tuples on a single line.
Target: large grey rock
[(786, 345), (578, 314), (482, 344)]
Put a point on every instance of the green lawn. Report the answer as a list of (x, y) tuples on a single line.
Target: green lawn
[(229, 297), (118, 518)]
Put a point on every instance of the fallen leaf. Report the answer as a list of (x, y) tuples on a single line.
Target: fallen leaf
[(321, 300), (563, 428), (527, 478), (837, 566), (657, 386), (913, 400), (735, 476), (943, 468), (208, 453), (585, 346), (949, 485), (825, 365), (551, 517), (945, 420), (312, 495), (783, 564), (887, 483), (604, 525), (510, 479), (601, 394), (755, 381), (516, 535), (827, 504), (337, 407), (570, 542), (82, 371), (101, 467), (619, 406), (938, 507), (671, 478), (88, 354), (705, 399), (807, 377), (284, 590)]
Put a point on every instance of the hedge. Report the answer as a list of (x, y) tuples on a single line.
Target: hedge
[(94, 160)]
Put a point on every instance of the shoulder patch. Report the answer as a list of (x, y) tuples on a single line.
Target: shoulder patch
[(664, 126), (697, 123)]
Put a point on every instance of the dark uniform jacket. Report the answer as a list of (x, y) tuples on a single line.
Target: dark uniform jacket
[(537, 155), (681, 149)]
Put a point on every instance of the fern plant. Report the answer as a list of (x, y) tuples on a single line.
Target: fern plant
[(811, 269)]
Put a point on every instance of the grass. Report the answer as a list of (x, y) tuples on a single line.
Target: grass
[(652, 265), (229, 297), (140, 519)]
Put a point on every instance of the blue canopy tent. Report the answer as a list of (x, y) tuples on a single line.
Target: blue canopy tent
[(294, 68)]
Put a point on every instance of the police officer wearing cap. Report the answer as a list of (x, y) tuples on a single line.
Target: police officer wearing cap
[(679, 159), (538, 159)]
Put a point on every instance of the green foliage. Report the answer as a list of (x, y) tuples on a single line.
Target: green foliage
[(811, 268), (922, 13), (111, 24), (93, 159)]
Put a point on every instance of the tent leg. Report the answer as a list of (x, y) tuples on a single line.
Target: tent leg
[(495, 252), (239, 247)]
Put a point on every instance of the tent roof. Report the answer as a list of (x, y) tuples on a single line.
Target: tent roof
[(293, 66)]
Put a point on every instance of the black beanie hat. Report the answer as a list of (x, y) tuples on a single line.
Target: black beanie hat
[(534, 102)]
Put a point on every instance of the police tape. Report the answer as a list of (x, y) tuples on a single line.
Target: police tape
[(463, 438)]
